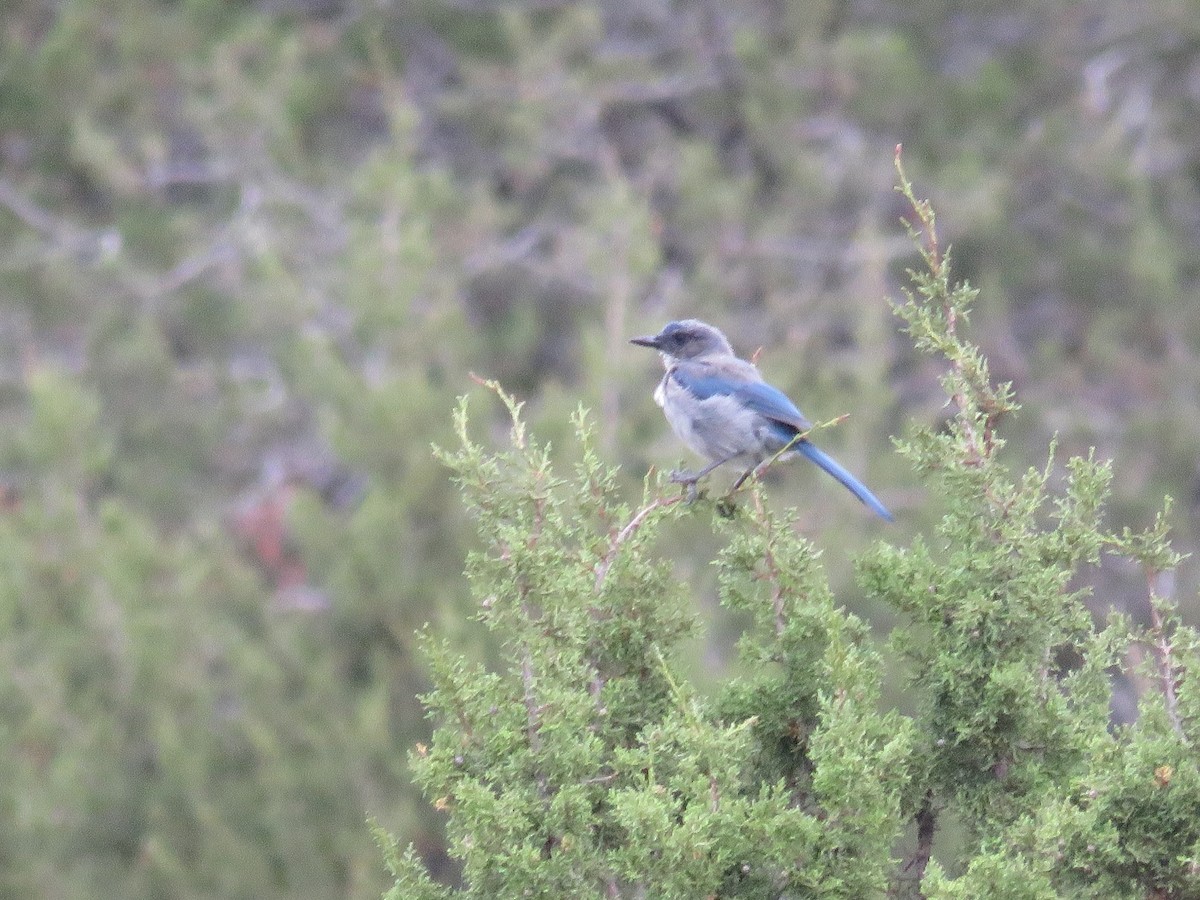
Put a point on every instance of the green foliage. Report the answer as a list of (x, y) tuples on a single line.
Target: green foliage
[(1011, 678), (150, 693), (990, 599), (249, 253), (585, 765)]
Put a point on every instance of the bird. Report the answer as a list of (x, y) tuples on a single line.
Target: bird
[(719, 406)]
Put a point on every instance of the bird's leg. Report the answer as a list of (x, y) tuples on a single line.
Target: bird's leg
[(758, 469), (725, 506), (689, 479), (742, 478)]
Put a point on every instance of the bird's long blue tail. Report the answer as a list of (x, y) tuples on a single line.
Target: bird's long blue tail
[(834, 468)]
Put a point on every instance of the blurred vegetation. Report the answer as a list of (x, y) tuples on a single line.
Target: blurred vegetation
[(250, 253)]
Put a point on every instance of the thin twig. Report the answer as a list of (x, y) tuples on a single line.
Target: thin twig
[(913, 870), (60, 232), (626, 533), (926, 828), (104, 244), (772, 566), (800, 436), (1162, 652)]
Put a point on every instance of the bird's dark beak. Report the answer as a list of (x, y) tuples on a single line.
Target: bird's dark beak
[(649, 341)]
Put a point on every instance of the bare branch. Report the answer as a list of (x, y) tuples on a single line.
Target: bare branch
[(627, 532), (913, 871), (1158, 585)]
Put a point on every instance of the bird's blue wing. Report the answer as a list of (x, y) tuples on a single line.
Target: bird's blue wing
[(704, 382), (769, 401)]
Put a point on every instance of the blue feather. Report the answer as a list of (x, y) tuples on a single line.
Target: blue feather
[(765, 399), (834, 468), (719, 374)]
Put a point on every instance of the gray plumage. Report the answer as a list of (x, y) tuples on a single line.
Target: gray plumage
[(720, 407)]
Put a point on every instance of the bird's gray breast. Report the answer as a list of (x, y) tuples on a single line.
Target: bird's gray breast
[(716, 427)]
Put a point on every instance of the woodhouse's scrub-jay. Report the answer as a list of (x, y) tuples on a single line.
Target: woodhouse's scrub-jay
[(722, 409)]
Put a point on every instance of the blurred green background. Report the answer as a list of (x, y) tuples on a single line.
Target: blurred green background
[(251, 251)]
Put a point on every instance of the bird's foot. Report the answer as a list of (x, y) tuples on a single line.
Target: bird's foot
[(688, 480)]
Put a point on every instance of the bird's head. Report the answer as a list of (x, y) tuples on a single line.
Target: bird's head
[(687, 339)]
